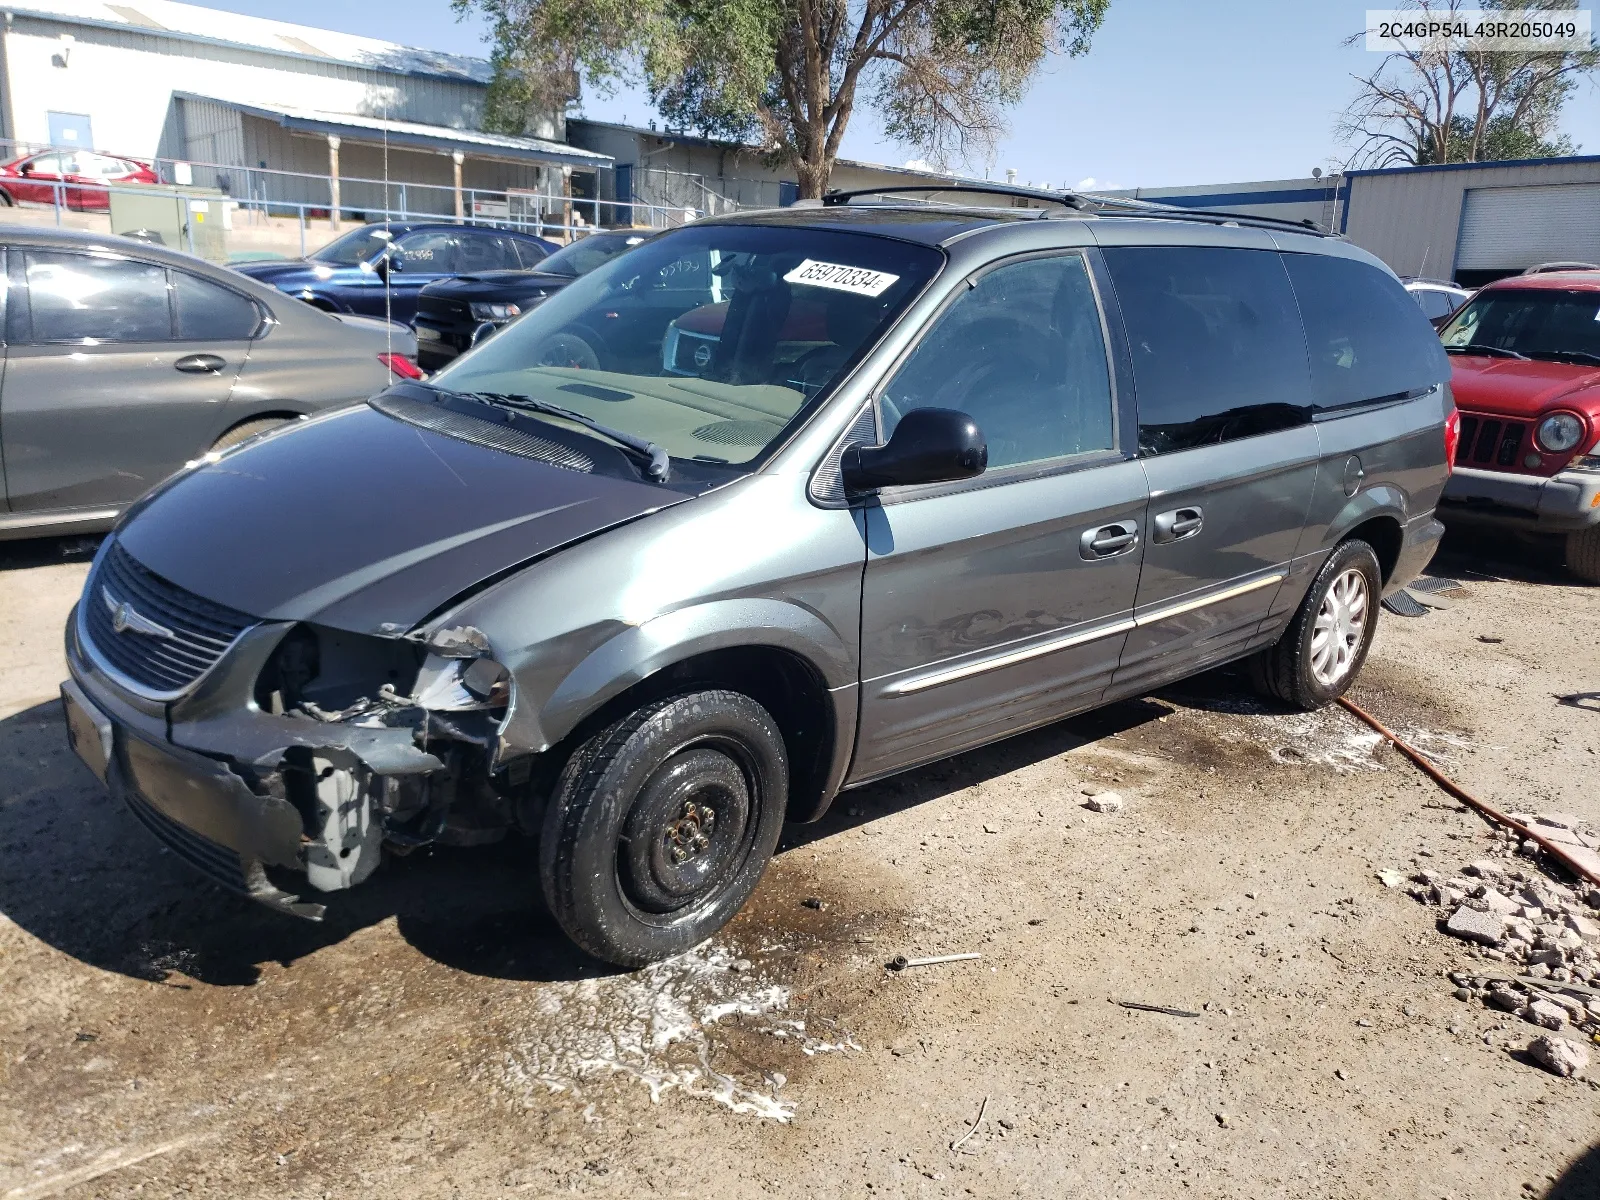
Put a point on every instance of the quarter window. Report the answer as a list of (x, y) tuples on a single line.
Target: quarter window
[(211, 312), (1218, 353), (1022, 354), (1367, 338), (85, 298)]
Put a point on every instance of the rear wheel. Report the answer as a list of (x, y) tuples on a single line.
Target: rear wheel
[(661, 825), (1583, 554), (1319, 655), (246, 430)]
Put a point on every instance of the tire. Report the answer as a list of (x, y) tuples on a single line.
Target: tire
[(1307, 670), (631, 867), (245, 430), (1583, 554)]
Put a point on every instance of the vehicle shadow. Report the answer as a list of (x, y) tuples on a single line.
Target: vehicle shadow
[(1471, 553), (47, 552), (1580, 1181), (79, 873), (898, 793)]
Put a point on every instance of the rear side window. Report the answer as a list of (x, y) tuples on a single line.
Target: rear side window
[(486, 252), (1218, 352), (210, 312), (81, 297), (1368, 340)]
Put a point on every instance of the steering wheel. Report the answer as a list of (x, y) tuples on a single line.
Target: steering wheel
[(566, 349)]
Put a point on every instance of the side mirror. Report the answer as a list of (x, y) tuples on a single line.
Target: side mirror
[(483, 332), (929, 445)]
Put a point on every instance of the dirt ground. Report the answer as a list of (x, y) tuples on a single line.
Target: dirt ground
[(437, 1038)]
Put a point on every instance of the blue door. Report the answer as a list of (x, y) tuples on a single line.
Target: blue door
[(71, 129)]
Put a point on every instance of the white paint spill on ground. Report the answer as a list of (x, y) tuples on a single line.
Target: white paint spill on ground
[(1328, 738), (655, 1026)]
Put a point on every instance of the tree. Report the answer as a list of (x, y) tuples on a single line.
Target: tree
[(787, 74), (1443, 105)]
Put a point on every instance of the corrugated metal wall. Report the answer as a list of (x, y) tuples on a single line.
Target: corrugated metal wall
[(1411, 218)]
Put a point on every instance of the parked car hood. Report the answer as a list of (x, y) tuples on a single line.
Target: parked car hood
[(1516, 388), (363, 522), (498, 285)]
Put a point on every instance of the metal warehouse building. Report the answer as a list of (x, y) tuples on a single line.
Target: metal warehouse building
[(1471, 222), (270, 102)]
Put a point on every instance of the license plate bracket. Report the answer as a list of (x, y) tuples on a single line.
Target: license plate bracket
[(88, 732)]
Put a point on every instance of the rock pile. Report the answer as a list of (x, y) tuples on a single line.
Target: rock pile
[(1546, 934)]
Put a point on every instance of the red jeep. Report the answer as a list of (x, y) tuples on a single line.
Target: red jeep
[(1527, 383)]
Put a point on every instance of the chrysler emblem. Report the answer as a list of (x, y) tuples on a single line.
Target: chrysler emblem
[(124, 617)]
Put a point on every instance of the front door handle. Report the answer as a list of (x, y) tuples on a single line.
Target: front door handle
[(1108, 541), (1176, 525), (201, 364)]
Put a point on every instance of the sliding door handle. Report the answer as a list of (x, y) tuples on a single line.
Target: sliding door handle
[(1176, 525)]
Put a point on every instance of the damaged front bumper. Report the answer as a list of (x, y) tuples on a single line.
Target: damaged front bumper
[(247, 796)]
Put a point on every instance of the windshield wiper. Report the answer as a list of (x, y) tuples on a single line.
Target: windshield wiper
[(1487, 351), (657, 462), (1577, 356)]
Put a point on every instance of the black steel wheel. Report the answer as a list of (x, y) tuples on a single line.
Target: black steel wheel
[(1321, 652), (661, 825)]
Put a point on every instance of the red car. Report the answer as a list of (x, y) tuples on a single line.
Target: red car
[(84, 173), (1526, 353)]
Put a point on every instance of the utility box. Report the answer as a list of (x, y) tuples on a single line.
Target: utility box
[(190, 219)]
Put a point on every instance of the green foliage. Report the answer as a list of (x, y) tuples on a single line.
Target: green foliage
[(786, 74)]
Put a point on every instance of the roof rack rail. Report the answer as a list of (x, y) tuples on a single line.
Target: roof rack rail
[(1082, 202), (1066, 199)]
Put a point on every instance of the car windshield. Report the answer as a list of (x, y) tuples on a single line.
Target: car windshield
[(584, 256), (355, 247), (1536, 323), (709, 341)]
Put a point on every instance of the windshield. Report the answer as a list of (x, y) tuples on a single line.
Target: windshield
[(585, 255), (354, 247), (1536, 323), (708, 341)]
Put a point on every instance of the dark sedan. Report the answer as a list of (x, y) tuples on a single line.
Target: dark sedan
[(451, 311), (379, 269)]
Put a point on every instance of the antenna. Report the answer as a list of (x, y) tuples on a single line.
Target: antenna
[(388, 242)]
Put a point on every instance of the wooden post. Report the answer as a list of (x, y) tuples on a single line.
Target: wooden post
[(457, 158), (566, 202), (333, 181)]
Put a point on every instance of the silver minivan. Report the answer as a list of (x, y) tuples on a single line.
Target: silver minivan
[(767, 508)]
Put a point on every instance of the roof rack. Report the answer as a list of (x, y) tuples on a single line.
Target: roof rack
[(1081, 202)]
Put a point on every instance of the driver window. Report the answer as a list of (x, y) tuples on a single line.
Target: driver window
[(1022, 354)]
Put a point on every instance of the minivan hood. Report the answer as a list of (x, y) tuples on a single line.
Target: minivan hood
[(363, 522), (1516, 388)]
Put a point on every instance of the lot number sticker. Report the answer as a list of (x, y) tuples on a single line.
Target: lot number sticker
[(841, 278)]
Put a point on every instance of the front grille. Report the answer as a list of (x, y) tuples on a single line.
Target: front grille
[(479, 431), (217, 863), (1489, 442), (691, 353), (201, 631)]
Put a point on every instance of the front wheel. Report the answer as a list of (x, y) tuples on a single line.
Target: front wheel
[(1583, 554), (1319, 655), (661, 825)]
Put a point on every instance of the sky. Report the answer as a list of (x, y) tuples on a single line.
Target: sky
[(1171, 92)]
